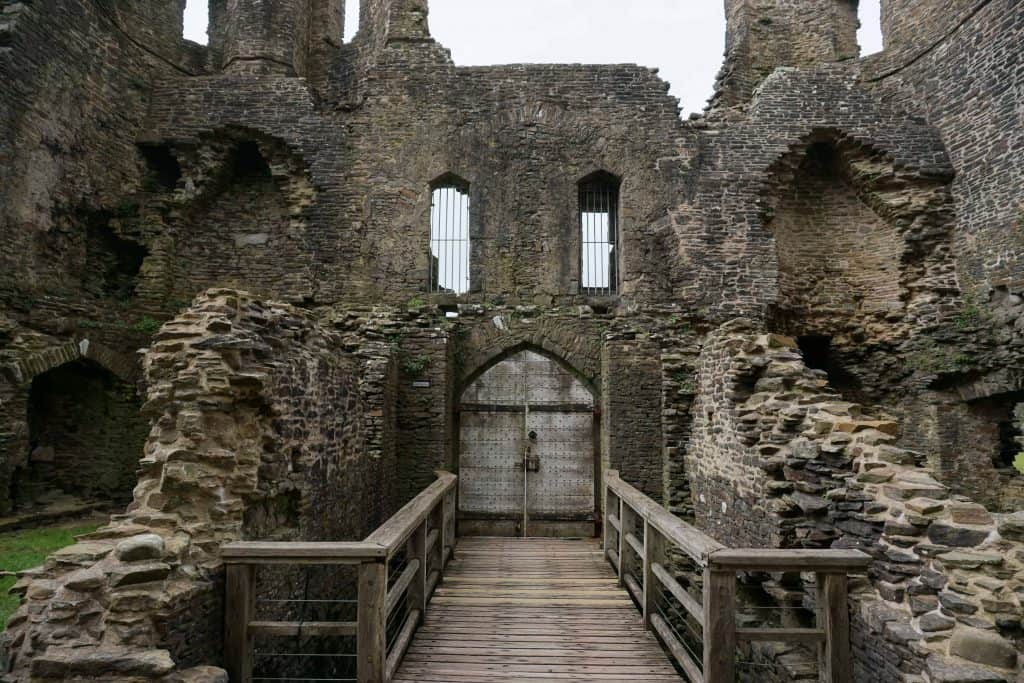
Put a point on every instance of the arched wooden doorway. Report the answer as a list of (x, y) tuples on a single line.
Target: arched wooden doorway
[(527, 462)]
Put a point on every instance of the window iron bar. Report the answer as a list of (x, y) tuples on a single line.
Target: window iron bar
[(449, 241), (598, 238)]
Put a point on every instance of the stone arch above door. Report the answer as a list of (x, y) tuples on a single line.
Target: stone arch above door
[(576, 349)]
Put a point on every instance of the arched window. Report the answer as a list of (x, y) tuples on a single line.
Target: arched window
[(870, 34), (351, 20), (599, 234), (196, 21), (449, 236)]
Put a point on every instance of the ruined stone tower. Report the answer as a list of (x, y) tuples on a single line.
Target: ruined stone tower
[(795, 320)]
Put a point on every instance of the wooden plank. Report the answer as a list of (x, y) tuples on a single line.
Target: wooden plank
[(635, 590), (620, 549), (635, 544), (416, 550), (302, 628), (719, 626), (371, 644), (398, 588), (613, 519), (834, 659), (653, 552), (432, 538), (846, 561), (401, 645), (781, 635), (514, 610), (432, 580), (679, 652), (689, 539), (613, 556), (300, 552), (691, 605), (630, 547), (239, 606)]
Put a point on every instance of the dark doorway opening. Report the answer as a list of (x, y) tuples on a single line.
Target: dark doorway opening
[(248, 162), (85, 438), (819, 354)]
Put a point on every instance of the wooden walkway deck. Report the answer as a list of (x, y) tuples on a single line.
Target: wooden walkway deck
[(532, 610)]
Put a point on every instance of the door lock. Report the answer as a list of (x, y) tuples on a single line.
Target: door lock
[(531, 461)]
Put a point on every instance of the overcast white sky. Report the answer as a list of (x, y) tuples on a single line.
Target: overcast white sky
[(683, 38)]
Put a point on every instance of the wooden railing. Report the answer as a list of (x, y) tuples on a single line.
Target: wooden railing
[(629, 513), (425, 528)]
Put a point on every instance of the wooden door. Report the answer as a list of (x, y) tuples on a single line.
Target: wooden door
[(526, 459)]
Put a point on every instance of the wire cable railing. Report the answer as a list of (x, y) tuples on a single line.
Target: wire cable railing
[(396, 570), (701, 630)]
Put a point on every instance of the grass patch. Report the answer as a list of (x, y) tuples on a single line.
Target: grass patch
[(26, 549)]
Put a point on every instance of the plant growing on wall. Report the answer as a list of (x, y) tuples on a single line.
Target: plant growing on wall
[(146, 325), (414, 365), (1018, 462)]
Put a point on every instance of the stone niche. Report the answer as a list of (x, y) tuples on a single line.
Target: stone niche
[(85, 436), (837, 257), (244, 224), (71, 433), (971, 441)]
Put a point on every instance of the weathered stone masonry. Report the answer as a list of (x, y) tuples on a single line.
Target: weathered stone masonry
[(253, 406), (861, 215)]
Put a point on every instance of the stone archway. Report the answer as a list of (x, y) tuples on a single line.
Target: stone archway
[(85, 438)]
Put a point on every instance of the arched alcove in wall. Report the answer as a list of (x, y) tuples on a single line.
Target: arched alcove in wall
[(246, 227), (838, 260), (85, 437)]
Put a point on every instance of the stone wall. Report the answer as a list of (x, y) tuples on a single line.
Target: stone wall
[(951, 63), (631, 415), (259, 431), (762, 36), (778, 459), (69, 121)]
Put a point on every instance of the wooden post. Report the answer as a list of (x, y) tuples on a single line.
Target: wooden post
[(371, 643), (626, 517), (719, 626), (452, 513), (606, 525), (239, 606), (834, 663), (416, 549), (654, 551), (443, 537)]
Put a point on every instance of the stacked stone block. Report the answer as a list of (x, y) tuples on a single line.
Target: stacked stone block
[(250, 402), (780, 460)]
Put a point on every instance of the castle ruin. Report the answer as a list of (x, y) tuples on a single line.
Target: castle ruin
[(796, 320)]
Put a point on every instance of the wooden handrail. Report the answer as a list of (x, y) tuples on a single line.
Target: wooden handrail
[(627, 509), (301, 552), (809, 561), (690, 540), (396, 530), (424, 527)]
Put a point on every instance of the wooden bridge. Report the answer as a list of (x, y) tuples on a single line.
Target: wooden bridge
[(527, 610), (532, 609)]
